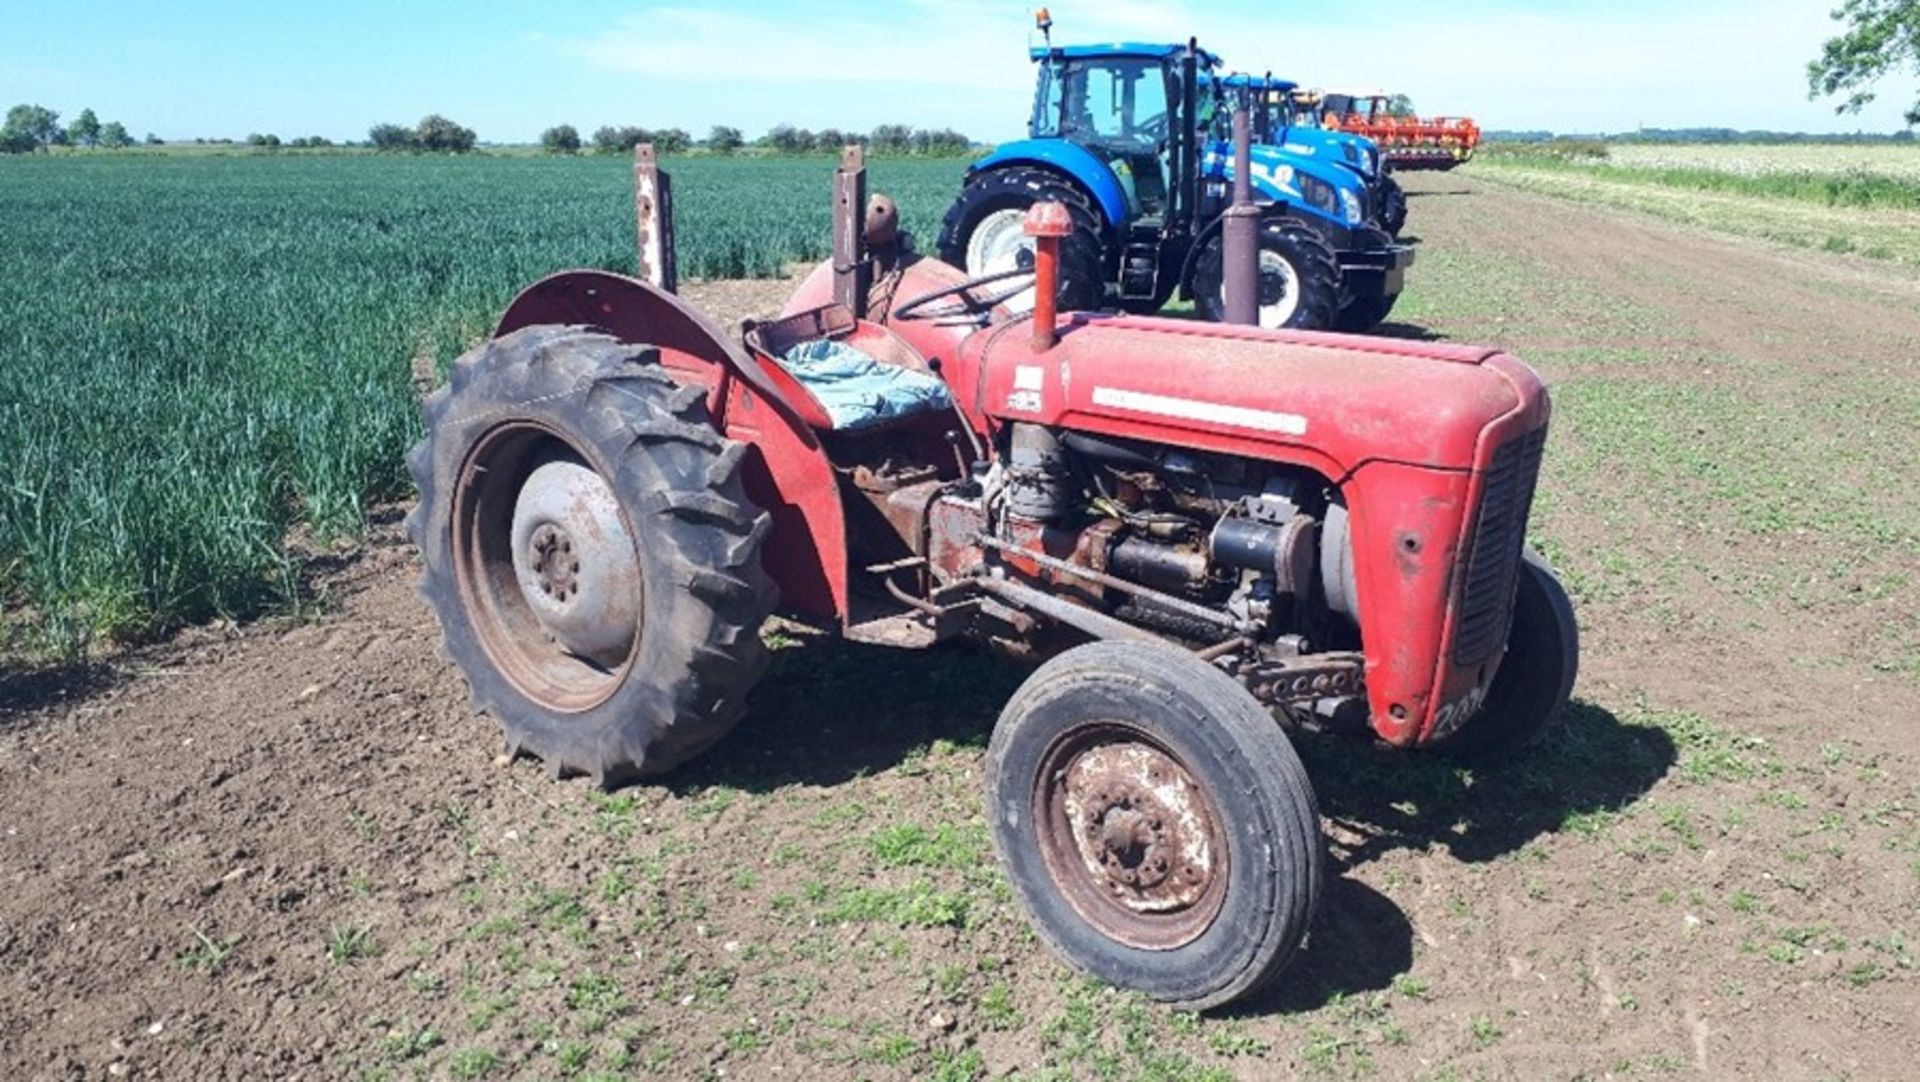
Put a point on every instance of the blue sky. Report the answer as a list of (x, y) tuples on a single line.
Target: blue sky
[(509, 69)]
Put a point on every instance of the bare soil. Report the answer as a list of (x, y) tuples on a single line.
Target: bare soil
[(290, 850)]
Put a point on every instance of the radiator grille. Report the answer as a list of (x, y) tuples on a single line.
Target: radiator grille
[(1493, 555)]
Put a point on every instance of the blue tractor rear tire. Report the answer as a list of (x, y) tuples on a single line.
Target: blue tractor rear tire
[(1083, 259)]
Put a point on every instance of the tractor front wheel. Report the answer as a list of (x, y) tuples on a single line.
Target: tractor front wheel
[(1299, 277), (985, 233), (1536, 676), (1393, 206), (1157, 827), (590, 552)]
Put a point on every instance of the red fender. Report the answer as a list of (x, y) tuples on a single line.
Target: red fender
[(787, 474)]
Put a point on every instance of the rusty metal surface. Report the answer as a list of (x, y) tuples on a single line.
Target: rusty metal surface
[(850, 269), (1132, 840), (1240, 232), (1071, 570), (1048, 223), (653, 213)]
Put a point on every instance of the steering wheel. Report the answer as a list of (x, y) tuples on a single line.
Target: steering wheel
[(1154, 130), (969, 305)]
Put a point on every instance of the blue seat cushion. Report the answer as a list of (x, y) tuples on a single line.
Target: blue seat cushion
[(859, 392)]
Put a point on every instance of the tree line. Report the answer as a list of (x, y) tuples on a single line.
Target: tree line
[(780, 139), (33, 127), (1703, 135)]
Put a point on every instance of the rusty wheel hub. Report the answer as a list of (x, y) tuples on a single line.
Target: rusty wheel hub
[(1132, 840)]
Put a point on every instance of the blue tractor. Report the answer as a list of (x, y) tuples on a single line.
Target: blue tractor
[(1122, 136), (1283, 116)]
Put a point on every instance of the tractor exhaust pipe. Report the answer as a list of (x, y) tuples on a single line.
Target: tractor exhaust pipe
[(1047, 223), (1240, 230)]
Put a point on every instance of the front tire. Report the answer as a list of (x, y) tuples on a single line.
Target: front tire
[(1299, 277), (590, 552), (1156, 825), (983, 233), (1536, 676), (1393, 206)]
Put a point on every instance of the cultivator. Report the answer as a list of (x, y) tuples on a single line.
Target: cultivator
[(1216, 533), (1406, 142)]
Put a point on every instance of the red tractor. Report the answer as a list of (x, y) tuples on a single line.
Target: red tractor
[(1211, 535)]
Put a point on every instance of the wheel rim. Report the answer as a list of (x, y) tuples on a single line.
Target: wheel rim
[(548, 570), (1279, 290), (1131, 840), (1000, 243)]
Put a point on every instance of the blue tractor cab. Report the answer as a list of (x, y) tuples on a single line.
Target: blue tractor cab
[(1122, 135), (1278, 123)]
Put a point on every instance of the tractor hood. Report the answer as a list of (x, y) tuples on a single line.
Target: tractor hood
[(1278, 173), (1331, 401)]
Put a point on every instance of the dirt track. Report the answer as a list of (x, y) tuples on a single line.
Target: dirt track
[(289, 849)]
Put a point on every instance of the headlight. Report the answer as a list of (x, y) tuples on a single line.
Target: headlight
[(1350, 207), (1319, 193)]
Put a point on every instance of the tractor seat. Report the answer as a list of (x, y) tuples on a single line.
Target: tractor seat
[(849, 375)]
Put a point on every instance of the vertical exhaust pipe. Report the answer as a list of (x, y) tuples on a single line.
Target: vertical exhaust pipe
[(1240, 231), (1047, 223)]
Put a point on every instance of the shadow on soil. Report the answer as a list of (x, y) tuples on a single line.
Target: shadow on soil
[(1592, 763), (1411, 331), (25, 696)]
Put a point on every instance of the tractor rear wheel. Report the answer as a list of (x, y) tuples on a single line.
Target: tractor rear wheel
[(1157, 827), (984, 232), (1299, 277), (1393, 206), (1535, 678), (590, 553)]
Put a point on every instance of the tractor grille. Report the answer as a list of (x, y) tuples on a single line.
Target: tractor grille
[(1493, 555)]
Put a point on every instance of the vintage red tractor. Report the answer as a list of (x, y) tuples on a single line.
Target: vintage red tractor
[(1211, 534)]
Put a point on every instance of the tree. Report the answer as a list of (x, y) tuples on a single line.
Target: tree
[(269, 141), (113, 135), (561, 139), (788, 139), (85, 129), (891, 139), (610, 140), (1881, 37), (153, 140), (725, 140), (671, 141), (28, 128), (1400, 105), (437, 133), (390, 137)]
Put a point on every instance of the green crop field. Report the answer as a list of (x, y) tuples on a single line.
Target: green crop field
[(202, 354)]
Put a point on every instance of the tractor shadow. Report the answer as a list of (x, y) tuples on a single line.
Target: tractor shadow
[(1411, 332), (830, 711), (29, 696), (1592, 764)]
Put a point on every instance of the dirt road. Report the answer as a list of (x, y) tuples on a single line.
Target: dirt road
[(289, 850)]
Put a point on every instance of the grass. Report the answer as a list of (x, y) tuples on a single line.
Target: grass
[(252, 331), (1870, 214)]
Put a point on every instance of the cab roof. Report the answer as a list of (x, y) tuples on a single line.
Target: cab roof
[(1138, 50), (1240, 80)]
